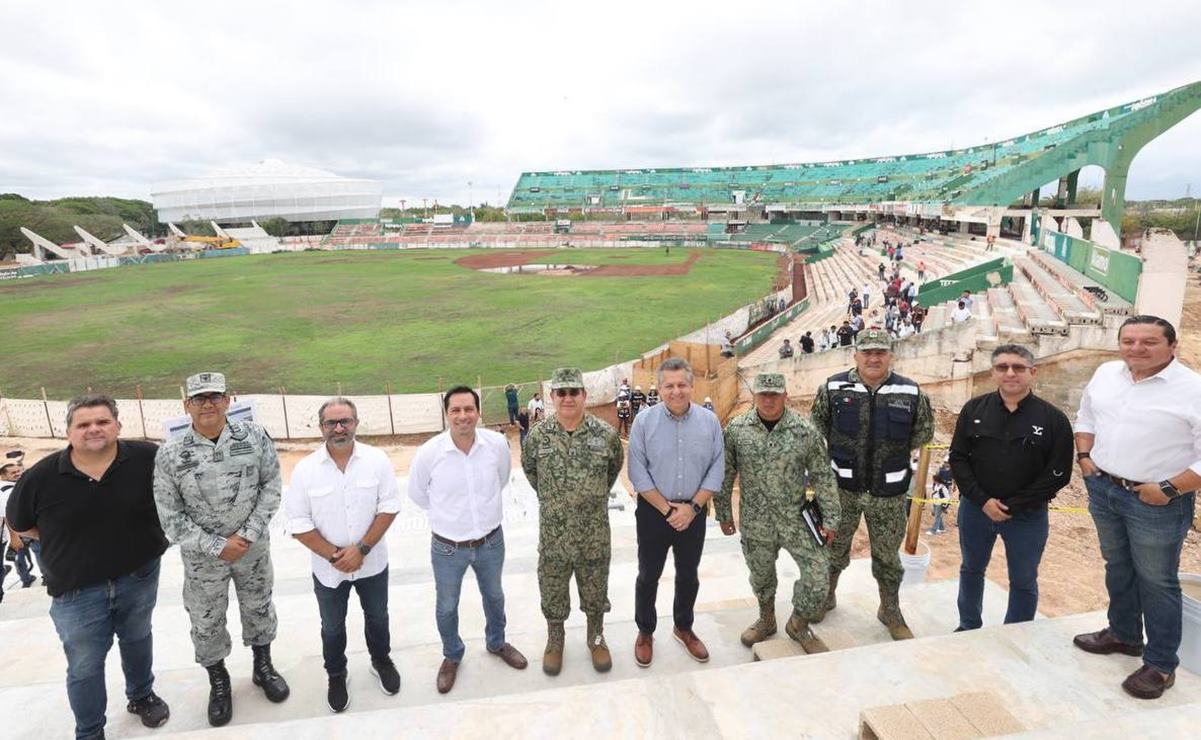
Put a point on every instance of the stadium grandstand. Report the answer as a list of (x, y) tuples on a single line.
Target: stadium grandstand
[(950, 185), (268, 189)]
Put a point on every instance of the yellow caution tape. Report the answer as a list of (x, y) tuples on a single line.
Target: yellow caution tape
[(1062, 509)]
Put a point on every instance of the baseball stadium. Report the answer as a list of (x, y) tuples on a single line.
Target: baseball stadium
[(617, 272)]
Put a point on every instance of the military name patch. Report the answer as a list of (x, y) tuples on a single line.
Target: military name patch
[(187, 465), (241, 448), (218, 455)]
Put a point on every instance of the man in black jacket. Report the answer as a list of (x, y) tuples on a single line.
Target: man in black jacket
[(1011, 453)]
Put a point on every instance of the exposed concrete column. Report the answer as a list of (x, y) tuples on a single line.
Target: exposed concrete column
[(1165, 272), (1072, 227), (963, 227), (1034, 197), (1073, 180), (1104, 235), (1027, 228)]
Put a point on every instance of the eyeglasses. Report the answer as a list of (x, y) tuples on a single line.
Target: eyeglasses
[(562, 392), (1004, 368), (335, 423), (201, 399)]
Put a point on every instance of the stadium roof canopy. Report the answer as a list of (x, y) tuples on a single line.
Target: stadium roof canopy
[(268, 189), (996, 174)]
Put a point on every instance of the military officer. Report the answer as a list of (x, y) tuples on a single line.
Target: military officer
[(572, 460), (773, 451), (873, 419), (217, 485)]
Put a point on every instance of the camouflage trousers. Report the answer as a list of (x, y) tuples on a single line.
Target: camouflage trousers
[(886, 521), (206, 598), (554, 584), (809, 590)]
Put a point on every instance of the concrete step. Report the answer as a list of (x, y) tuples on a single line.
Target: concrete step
[(1051, 687)]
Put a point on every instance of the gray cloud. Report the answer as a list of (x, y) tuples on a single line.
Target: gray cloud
[(428, 97)]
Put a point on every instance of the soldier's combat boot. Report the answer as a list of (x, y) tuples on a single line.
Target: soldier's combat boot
[(221, 700), (831, 599), (763, 627), (890, 614), (552, 659), (602, 661), (265, 675), (798, 629)]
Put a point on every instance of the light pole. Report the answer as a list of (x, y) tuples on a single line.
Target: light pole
[(471, 200)]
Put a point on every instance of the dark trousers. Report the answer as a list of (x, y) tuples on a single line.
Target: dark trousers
[(655, 538), (332, 603), (1025, 538), (24, 560)]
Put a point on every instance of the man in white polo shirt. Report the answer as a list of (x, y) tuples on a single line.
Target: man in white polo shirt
[(457, 477), (341, 501), (1138, 443)]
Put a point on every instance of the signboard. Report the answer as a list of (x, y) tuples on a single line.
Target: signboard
[(177, 425)]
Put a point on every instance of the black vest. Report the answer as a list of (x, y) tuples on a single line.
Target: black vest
[(869, 433)]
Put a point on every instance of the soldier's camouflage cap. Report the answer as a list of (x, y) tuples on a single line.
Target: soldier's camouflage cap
[(204, 383), (874, 339), (769, 383), (566, 377)]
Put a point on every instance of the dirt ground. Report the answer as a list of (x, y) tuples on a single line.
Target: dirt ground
[(1071, 578), (508, 258)]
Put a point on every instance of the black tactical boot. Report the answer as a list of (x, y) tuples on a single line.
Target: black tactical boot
[(273, 684), (221, 700)]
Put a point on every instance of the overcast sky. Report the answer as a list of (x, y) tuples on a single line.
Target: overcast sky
[(110, 98)]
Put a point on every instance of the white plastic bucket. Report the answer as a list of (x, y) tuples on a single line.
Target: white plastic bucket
[(1190, 634), (915, 565)]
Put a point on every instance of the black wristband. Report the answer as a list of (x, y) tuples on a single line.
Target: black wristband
[(1083, 456), (667, 514)]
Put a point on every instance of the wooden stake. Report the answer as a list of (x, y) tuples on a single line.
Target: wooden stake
[(915, 508), (141, 413), (283, 398), (46, 406), (388, 392)]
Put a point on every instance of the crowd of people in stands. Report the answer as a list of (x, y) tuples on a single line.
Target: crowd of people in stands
[(898, 312)]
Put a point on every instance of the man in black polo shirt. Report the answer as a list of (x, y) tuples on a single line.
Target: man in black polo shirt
[(92, 507), (1011, 453)]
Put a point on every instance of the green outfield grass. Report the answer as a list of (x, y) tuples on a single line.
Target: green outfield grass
[(308, 321)]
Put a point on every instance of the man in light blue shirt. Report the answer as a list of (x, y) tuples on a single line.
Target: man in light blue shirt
[(676, 463)]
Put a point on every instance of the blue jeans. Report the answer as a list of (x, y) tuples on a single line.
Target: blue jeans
[(1141, 546), (937, 526), (450, 564), (86, 620), (332, 603), (24, 561), (1025, 537)]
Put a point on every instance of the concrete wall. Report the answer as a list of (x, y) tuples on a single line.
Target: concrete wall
[(1165, 271)]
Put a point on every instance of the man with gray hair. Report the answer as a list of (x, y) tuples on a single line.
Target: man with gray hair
[(1011, 453), (341, 501), (676, 463), (217, 485)]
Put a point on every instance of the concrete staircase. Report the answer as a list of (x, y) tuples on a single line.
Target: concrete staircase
[(1033, 667)]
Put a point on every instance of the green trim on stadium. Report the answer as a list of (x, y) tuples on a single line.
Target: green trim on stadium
[(997, 174)]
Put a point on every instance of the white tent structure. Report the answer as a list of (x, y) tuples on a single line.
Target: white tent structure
[(268, 189)]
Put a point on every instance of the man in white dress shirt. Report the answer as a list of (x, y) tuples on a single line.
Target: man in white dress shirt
[(1138, 444), (341, 501), (457, 477)]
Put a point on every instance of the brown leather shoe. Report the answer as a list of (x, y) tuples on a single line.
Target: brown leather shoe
[(512, 656), (692, 644), (1148, 683), (1103, 642), (446, 675), (644, 649)]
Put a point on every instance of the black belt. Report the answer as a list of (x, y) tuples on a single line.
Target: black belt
[(1129, 485), (466, 543)]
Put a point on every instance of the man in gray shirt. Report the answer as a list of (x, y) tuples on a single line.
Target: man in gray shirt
[(676, 463)]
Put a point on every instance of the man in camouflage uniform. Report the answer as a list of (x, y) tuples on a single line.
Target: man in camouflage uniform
[(872, 419), (773, 450), (216, 486), (572, 460)]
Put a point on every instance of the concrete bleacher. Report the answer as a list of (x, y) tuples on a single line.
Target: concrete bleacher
[(1070, 305), (1078, 283), (1031, 668)]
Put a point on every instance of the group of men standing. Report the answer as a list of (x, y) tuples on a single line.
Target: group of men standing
[(105, 510)]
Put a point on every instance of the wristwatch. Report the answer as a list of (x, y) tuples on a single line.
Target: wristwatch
[(334, 558), (696, 509), (1168, 489), (364, 548), (1083, 456)]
